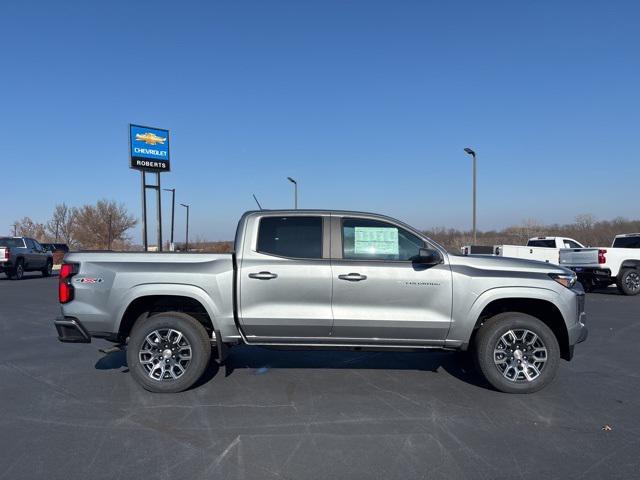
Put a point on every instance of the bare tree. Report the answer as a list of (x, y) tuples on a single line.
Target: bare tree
[(103, 225), (28, 228), (62, 224)]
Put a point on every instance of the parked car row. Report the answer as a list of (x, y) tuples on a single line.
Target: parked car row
[(618, 264), (23, 254)]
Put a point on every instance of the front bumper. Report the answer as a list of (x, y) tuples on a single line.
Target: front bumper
[(70, 330)]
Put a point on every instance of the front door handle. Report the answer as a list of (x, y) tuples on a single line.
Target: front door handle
[(352, 277), (263, 275)]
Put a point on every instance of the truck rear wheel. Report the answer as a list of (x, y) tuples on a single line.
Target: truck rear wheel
[(18, 271), (629, 281), (46, 271), (517, 353), (168, 352)]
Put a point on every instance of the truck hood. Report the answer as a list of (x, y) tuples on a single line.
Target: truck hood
[(505, 264)]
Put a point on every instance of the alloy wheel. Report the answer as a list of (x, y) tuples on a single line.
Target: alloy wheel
[(632, 281), (520, 355), (165, 354)]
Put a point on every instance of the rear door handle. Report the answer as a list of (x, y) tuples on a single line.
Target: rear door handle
[(352, 277), (263, 275)]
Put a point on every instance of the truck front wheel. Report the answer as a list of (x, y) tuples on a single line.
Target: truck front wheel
[(168, 352), (517, 353), (629, 281)]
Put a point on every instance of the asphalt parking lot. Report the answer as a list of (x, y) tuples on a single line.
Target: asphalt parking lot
[(68, 411)]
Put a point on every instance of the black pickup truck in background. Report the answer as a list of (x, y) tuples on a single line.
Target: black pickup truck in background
[(23, 254)]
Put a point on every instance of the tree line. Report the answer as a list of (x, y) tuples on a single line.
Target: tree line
[(586, 229), (103, 225), (106, 225)]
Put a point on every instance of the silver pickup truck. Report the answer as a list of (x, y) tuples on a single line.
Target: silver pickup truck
[(323, 279)]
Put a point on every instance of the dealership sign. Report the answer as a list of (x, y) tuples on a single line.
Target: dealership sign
[(149, 148)]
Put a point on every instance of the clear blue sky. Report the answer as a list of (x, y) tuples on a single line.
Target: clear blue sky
[(368, 103)]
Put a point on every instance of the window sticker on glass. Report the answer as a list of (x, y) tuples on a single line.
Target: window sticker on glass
[(376, 240)]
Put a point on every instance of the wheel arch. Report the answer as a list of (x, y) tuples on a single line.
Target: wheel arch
[(630, 264), (542, 309), (140, 304)]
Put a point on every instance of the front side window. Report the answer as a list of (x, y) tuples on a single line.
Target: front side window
[(375, 240), (30, 244), (296, 237)]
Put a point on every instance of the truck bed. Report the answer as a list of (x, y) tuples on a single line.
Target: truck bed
[(107, 282)]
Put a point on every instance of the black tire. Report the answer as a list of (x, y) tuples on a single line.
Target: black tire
[(18, 270), (629, 281), (193, 333), (9, 274), (46, 271), (587, 285), (488, 342)]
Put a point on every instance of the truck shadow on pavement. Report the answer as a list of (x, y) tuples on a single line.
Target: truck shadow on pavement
[(261, 360)]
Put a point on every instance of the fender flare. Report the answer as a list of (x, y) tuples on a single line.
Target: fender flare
[(462, 330), (169, 289)]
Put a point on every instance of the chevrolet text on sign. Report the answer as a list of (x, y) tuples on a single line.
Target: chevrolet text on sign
[(149, 148)]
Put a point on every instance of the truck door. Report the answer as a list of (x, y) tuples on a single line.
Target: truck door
[(379, 294), (32, 259), (284, 271)]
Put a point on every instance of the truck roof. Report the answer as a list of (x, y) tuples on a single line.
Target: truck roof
[(545, 238), (622, 235)]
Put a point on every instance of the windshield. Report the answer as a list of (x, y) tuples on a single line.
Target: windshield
[(11, 242)]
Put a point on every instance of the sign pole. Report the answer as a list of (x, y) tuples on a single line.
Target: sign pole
[(159, 212), (144, 211)]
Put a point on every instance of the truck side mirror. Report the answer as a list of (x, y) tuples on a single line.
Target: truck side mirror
[(428, 256)]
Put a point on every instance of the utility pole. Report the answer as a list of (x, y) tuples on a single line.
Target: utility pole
[(295, 194), (186, 242), (173, 210), (473, 154), (109, 237)]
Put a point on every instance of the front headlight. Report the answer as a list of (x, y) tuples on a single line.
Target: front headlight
[(565, 279)]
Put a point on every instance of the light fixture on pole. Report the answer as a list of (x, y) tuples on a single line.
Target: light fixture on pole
[(473, 154), (295, 194), (186, 242), (173, 209)]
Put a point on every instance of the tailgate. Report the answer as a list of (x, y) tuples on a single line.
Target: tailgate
[(582, 257)]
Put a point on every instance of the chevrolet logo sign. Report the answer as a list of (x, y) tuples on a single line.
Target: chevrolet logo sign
[(150, 138)]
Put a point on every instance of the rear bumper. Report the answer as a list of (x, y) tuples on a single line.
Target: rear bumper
[(592, 272), (70, 330)]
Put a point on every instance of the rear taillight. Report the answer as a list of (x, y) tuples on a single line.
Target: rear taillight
[(65, 289), (602, 258), (7, 254)]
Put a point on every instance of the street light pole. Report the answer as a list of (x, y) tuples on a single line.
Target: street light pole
[(295, 194), (473, 154), (186, 243), (173, 210)]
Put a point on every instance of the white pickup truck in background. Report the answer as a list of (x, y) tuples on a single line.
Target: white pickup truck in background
[(543, 249), (602, 266)]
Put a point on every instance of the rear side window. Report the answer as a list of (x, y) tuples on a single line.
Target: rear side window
[(570, 244), (542, 243), (296, 237), (11, 242), (627, 242)]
